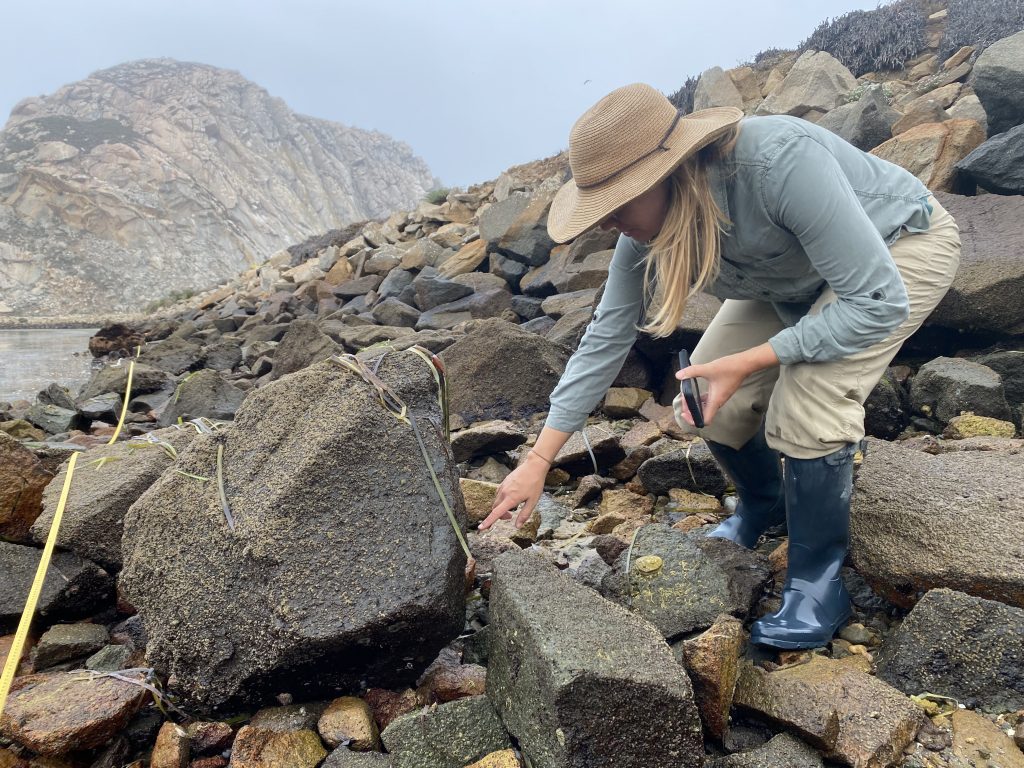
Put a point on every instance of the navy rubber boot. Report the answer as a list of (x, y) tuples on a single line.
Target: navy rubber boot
[(815, 602), (756, 473)]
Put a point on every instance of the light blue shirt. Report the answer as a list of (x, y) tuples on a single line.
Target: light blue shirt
[(808, 210)]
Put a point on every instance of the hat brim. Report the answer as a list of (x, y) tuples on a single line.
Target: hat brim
[(574, 210)]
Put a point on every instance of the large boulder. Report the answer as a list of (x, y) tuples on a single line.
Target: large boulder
[(884, 413), (581, 681), (303, 344), (395, 312), (865, 123), (341, 569), (64, 712), (687, 580), (956, 645), (397, 281), (998, 79), (496, 219), (746, 82), (948, 386), (580, 264), (486, 437), (493, 302), (108, 479), (919, 522), (526, 240), (22, 480), (174, 355), (498, 371), (114, 378), (716, 89), (849, 715), (54, 419), (73, 587), (465, 260), (925, 110), (204, 393), (1009, 364), (817, 83), (969, 108), (116, 337), (985, 295), (998, 164), (931, 151), (432, 291), (692, 468)]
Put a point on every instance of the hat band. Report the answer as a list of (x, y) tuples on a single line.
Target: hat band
[(660, 148)]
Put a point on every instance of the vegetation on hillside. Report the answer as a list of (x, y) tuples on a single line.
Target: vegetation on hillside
[(980, 23), (869, 41), (683, 98), (437, 196)]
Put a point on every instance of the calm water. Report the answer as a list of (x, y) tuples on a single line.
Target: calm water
[(32, 358)]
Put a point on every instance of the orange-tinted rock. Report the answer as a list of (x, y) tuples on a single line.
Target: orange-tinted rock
[(209, 762), (115, 337), (22, 480), (349, 720), (979, 741), (506, 758), (54, 714), (210, 737), (466, 259), (712, 660), (849, 715), (388, 705), (9, 760), (479, 498), (172, 747), (447, 678), (25, 667), (644, 433), (265, 748), (932, 150), (626, 503)]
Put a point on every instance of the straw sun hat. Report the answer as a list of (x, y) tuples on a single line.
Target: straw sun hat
[(623, 146)]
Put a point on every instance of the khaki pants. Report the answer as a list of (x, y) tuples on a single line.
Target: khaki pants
[(814, 409)]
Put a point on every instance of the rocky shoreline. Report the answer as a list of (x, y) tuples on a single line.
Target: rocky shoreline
[(279, 565), (69, 321)]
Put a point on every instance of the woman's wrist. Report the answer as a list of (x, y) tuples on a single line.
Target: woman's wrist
[(534, 456)]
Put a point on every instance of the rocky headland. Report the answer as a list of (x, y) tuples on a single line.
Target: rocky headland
[(159, 176), (280, 565)]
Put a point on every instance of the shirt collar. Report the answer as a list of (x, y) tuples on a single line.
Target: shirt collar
[(716, 178)]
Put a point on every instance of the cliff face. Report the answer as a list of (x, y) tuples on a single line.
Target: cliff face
[(156, 176)]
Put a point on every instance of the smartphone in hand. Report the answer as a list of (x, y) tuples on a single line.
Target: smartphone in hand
[(690, 391)]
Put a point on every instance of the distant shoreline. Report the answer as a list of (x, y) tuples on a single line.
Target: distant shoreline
[(55, 323)]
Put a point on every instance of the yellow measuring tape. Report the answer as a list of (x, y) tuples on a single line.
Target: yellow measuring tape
[(124, 406), (14, 656)]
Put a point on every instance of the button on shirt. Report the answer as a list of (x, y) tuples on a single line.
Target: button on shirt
[(807, 210)]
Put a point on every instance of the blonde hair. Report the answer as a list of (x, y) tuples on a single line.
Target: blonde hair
[(684, 256)]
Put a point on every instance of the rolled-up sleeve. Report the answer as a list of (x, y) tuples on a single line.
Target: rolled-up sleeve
[(606, 342), (807, 193)]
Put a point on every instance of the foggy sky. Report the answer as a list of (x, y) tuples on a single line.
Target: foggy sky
[(472, 87)]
